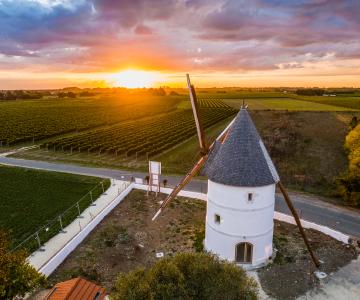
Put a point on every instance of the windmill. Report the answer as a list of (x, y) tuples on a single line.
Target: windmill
[(241, 192)]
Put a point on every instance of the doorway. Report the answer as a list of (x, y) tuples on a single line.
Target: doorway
[(243, 253)]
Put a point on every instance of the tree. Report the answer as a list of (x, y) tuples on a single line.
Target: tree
[(349, 182), (17, 276), (186, 276)]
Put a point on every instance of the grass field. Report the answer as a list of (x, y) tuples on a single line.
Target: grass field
[(285, 104), (350, 102), (306, 147), (31, 198)]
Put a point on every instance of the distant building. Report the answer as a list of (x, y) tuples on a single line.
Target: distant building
[(76, 289)]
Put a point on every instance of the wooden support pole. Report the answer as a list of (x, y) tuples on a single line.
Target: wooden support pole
[(298, 222)]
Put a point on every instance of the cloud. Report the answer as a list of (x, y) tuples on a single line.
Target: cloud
[(103, 35), (143, 29)]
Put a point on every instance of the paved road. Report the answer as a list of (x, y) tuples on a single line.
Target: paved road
[(310, 208)]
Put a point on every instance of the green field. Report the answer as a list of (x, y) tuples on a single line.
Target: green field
[(349, 102), (284, 104), (29, 198)]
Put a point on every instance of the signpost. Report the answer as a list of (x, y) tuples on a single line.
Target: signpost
[(154, 178)]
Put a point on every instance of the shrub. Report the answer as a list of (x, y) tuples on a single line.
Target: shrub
[(349, 183), (199, 240), (186, 276), (17, 276)]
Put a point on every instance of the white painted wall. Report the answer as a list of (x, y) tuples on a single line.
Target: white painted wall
[(241, 220), (337, 235), (194, 195)]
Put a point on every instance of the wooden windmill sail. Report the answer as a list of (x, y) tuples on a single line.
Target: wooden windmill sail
[(208, 153)]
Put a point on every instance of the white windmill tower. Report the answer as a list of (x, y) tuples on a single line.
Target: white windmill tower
[(241, 192), (241, 196)]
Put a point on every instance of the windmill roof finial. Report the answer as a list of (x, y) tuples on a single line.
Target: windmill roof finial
[(244, 106)]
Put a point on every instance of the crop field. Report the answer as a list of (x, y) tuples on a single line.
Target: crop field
[(238, 94), (145, 137), (285, 104), (31, 198), (212, 103), (33, 120), (349, 102)]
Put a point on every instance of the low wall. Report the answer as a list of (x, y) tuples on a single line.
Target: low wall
[(194, 195), (337, 235), (56, 260)]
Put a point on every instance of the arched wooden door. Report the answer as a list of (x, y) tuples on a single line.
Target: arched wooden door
[(243, 253)]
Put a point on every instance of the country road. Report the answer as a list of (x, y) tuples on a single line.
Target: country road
[(310, 207)]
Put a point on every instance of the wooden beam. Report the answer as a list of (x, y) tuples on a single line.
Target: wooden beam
[(195, 108), (298, 223), (195, 169)]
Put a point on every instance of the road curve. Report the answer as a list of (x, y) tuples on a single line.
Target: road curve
[(311, 208)]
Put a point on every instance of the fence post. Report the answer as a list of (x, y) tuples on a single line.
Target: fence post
[(38, 239), (61, 224), (78, 207), (92, 199)]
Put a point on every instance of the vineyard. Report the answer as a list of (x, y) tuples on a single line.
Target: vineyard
[(213, 103), (33, 120), (143, 138)]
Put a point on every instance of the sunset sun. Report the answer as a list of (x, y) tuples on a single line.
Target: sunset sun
[(134, 79)]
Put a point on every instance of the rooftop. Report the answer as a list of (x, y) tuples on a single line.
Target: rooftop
[(77, 288), (242, 159)]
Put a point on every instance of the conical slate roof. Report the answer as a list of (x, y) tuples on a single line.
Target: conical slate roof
[(242, 159)]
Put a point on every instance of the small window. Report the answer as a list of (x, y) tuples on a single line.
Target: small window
[(250, 197), (217, 219)]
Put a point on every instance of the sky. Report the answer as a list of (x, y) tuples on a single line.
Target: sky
[(257, 43)]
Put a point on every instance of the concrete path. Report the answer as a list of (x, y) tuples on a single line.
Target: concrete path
[(310, 207), (341, 285), (39, 258)]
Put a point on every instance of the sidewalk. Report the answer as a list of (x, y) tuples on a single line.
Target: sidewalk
[(40, 258)]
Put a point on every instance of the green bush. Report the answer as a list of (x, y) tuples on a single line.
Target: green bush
[(199, 240), (186, 276)]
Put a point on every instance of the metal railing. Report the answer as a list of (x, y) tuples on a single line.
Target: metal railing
[(36, 240)]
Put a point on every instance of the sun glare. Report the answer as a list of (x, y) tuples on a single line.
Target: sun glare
[(135, 79)]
